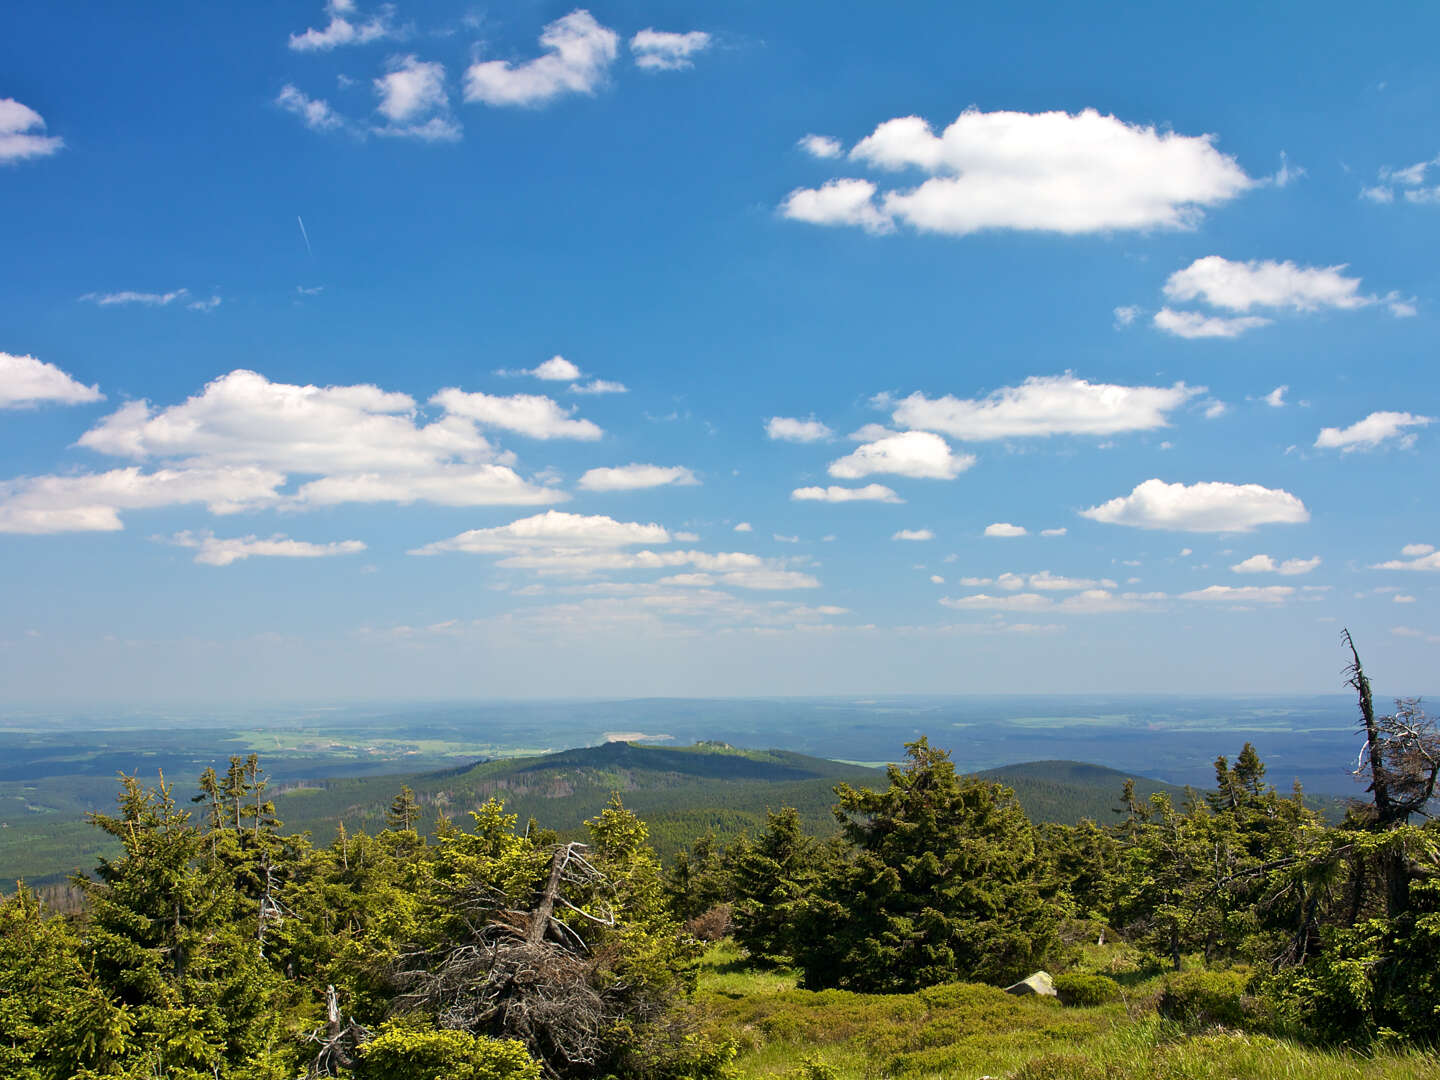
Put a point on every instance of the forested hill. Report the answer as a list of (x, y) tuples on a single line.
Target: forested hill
[(1067, 791), (682, 792)]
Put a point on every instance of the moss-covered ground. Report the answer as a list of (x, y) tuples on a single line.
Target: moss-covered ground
[(970, 1031)]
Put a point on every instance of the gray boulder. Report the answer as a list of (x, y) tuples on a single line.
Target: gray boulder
[(1039, 985)]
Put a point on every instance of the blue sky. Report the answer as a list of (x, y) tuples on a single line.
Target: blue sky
[(436, 350)]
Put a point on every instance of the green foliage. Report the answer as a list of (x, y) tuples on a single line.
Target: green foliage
[(1205, 998), (1083, 989), (402, 1052), (1378, 980), (944, 879), (772, 880)]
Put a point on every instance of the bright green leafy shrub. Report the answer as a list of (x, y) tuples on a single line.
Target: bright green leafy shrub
[(407, 1053), (1204, 998), (1079, 988)]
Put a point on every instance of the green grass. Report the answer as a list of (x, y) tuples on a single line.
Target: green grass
[(969, 1031)]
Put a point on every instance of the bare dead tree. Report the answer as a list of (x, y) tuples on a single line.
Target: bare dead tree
[(339, 1043), (1401, 758), (526, 973)]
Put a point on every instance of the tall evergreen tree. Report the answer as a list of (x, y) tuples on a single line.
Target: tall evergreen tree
[(945, 881)]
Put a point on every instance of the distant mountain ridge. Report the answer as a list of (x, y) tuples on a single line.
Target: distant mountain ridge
[(681, 791)]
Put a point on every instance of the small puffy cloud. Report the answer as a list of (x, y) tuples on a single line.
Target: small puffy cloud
[(146, 299), (632, 477), (1421, 557), (661, 50), (26, 382), (1264, 564), (599, 386), (789, 429), (577, 59), (1402, 598), (414, 102), (1085, 602), (1411, 632), (556, 369), (1005, 529), (1203, 507), (838, 202), (1371, 432), (1048, 582), (744, 526), (782, 538), (20, 134), (1045, 405), (529, 414), (1053, 172), (837, 494), (918, 454), (207, 305), (1241, 594), (768, 579), (821, 146), (936, 579), (317, 114), (346, 27), (1126, 315), (212, 550), (1241, 286), (1215, 409), (1408, 184), (1054, 532), (1287, 174), (1194, 324), (913, 534), (1276, 398), (555, 529)]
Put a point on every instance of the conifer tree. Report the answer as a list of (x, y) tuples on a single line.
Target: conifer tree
[(945, 882)]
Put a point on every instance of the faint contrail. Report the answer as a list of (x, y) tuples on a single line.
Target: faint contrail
[(304, 233)]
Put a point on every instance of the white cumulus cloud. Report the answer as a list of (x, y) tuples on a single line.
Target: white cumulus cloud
[(237, 442), (1005, 529), (1418, 557), (1054, 171), (1241, 594), (1240, 286), (838, 202), (317, 114), (26, 381), (1371, 432), (414, 102), (529, 414), (837, 494), (1202, 507), (1195, 324), (634, 476), (1045, 405), (918, 454), (577, 59), (913, 534), (663, 50), (20, 134), (1264, 564), (212, 550), (821, 146), (346, 27), (789, 429)]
